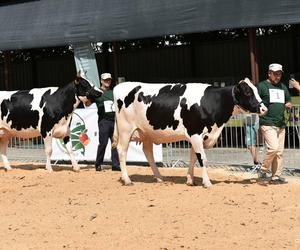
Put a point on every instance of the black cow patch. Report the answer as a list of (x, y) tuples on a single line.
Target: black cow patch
[(58, 105), (130, 97), (145, 99), (66, 139), (214, 108), (161, 111), (19, 112), (45, 97), (120, 104), (199, 159)]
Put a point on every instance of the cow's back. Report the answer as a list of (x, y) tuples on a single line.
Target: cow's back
[(21, 111), (127, 105), (155, 108)]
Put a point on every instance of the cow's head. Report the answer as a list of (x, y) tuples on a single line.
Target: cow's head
[(85, 91), (246, 96)]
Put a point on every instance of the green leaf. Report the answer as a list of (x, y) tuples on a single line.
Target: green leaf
[(78, 129)]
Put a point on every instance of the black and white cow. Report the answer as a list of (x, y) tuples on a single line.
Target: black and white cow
[(43, 111), (160, 113)]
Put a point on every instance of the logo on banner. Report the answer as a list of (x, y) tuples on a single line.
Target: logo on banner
[(78, 136)]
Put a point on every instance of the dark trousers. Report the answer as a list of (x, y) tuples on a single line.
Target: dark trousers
[(106, 130)]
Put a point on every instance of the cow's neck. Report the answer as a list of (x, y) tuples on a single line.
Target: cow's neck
[(67, 95), (215, 109), (229, 101), (221, 103)]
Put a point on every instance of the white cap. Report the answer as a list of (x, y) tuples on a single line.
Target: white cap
[(275, 67), (105, 76)]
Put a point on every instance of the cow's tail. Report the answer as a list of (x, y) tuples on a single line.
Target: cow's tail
[(115, 136)]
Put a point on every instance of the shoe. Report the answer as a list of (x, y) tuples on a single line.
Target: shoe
[(262, 176), (98, 168), (116, 168), (256, 167), (278, 180)]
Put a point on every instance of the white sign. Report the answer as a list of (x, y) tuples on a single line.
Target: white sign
[(84, 138), (85, 60), (276, 96), (109, 106)]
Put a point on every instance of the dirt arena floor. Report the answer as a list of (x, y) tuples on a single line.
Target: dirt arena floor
[(92, 210)]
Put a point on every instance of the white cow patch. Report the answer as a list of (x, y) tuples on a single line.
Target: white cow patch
[(37, 96)]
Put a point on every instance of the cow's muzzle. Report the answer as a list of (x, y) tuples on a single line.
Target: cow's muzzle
[(262, 109), (92, 94)]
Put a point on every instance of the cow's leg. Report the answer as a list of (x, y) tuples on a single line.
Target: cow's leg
[(197, 144), (48, 151), (3, 151), (122, 150), (190, 173), (148, 151), (68, 144), (202, 161), (122, 147)]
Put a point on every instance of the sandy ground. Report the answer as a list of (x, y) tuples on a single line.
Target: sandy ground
[(92, 210)]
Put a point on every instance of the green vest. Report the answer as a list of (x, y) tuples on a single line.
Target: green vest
[(105, 106), (274, 96)]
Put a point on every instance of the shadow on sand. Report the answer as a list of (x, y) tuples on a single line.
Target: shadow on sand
[(182, 180), (35, 166)]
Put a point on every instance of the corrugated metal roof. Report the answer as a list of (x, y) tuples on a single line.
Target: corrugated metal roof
[(29, 24)]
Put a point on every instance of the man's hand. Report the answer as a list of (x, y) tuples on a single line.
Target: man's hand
[(295, 84), (88, 103), (288, 105)]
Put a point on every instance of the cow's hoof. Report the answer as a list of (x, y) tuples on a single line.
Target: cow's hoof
[(159, 180), (128, 184), (125, 183), (207, 185), (190, 183), (76, 170), (7, 169), (49, 170)]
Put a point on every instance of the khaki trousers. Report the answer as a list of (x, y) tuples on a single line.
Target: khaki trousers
[(274, 138)]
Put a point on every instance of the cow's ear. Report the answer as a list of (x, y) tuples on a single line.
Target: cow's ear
[(82, 73), (76, 81), (237, 87), (77, 78), (247, 80), (244, 88)]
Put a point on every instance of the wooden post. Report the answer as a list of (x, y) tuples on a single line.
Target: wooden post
[(253, 56), (116, 54), (105, 66)]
